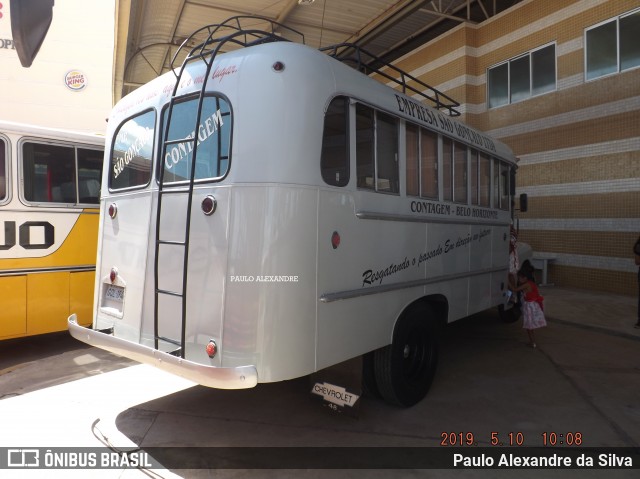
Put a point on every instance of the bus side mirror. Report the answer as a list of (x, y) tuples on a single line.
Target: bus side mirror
[(524, 202), (30, 21)]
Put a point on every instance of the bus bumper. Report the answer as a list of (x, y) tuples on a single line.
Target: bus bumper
[(241, 377)]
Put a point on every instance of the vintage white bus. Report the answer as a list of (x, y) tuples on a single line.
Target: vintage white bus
[(270, 211), (49, 199)]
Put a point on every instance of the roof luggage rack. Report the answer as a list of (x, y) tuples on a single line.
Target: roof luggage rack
[(234, 32), (352, 55), (248, 30)]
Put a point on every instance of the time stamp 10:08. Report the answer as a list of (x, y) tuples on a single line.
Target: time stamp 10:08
[(458, 439)]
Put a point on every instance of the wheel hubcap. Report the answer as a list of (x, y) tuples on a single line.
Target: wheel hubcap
[(415, 356)]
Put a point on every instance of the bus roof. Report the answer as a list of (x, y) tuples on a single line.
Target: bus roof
[(37, 130), (338, 77)]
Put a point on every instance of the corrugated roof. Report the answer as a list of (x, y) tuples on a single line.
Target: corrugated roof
[(153, 29)]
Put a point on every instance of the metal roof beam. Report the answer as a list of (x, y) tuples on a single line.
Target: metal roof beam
[(284, 14), (484, 10), (446, 15), (438, 11), (392, 16)]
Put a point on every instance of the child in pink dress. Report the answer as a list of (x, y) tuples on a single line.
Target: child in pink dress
[(532, 307)]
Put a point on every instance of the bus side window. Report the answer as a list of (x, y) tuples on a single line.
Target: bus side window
[(422, 162), (387, 177), (500, 185), (447, 169), (485, 180), (376, 150), (505, 190), (365, 166), (334, 161), (429, 164), (3, 172), (473, 177), (459, 173), (49, 173), (413, 164), (89, 175)]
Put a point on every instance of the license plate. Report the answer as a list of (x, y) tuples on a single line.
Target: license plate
[(115, 293)]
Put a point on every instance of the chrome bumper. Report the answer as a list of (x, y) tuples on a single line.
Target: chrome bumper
[(241, 377)]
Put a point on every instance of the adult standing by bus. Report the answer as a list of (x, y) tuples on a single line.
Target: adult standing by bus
[(636, 251)]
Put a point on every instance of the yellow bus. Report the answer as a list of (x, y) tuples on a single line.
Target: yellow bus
[(49, 209)]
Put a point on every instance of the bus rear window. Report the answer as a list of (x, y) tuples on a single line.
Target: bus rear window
[(132, 152), (212, 139)]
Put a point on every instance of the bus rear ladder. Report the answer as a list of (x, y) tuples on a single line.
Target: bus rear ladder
[(229, 33)]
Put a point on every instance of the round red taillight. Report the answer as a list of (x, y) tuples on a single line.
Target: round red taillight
[(335, 240), (211, 348), (113, 210), (278, 67), (209, 205), (113, 274)]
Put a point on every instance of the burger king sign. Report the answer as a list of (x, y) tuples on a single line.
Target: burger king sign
[(75, 80)]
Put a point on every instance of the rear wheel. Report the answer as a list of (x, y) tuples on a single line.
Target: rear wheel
[(405, 369), (369, 385)]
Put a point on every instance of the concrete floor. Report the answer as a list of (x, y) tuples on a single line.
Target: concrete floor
[(584, 377)]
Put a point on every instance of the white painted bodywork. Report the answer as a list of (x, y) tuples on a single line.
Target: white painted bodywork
[(275, 218)]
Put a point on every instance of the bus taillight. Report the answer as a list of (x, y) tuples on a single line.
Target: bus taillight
[(113, 274), (209, 205), (335, 240), (211, 349), (113, 210)]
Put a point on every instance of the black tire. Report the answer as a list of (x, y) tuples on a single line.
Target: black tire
[(369, 385), (404, 370), (510, 315)]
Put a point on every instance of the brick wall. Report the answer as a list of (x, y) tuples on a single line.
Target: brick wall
[(579, 145)]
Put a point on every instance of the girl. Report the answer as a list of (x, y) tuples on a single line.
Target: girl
[(532, 314)]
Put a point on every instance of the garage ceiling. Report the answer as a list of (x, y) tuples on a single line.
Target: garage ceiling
[(149, 32)]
